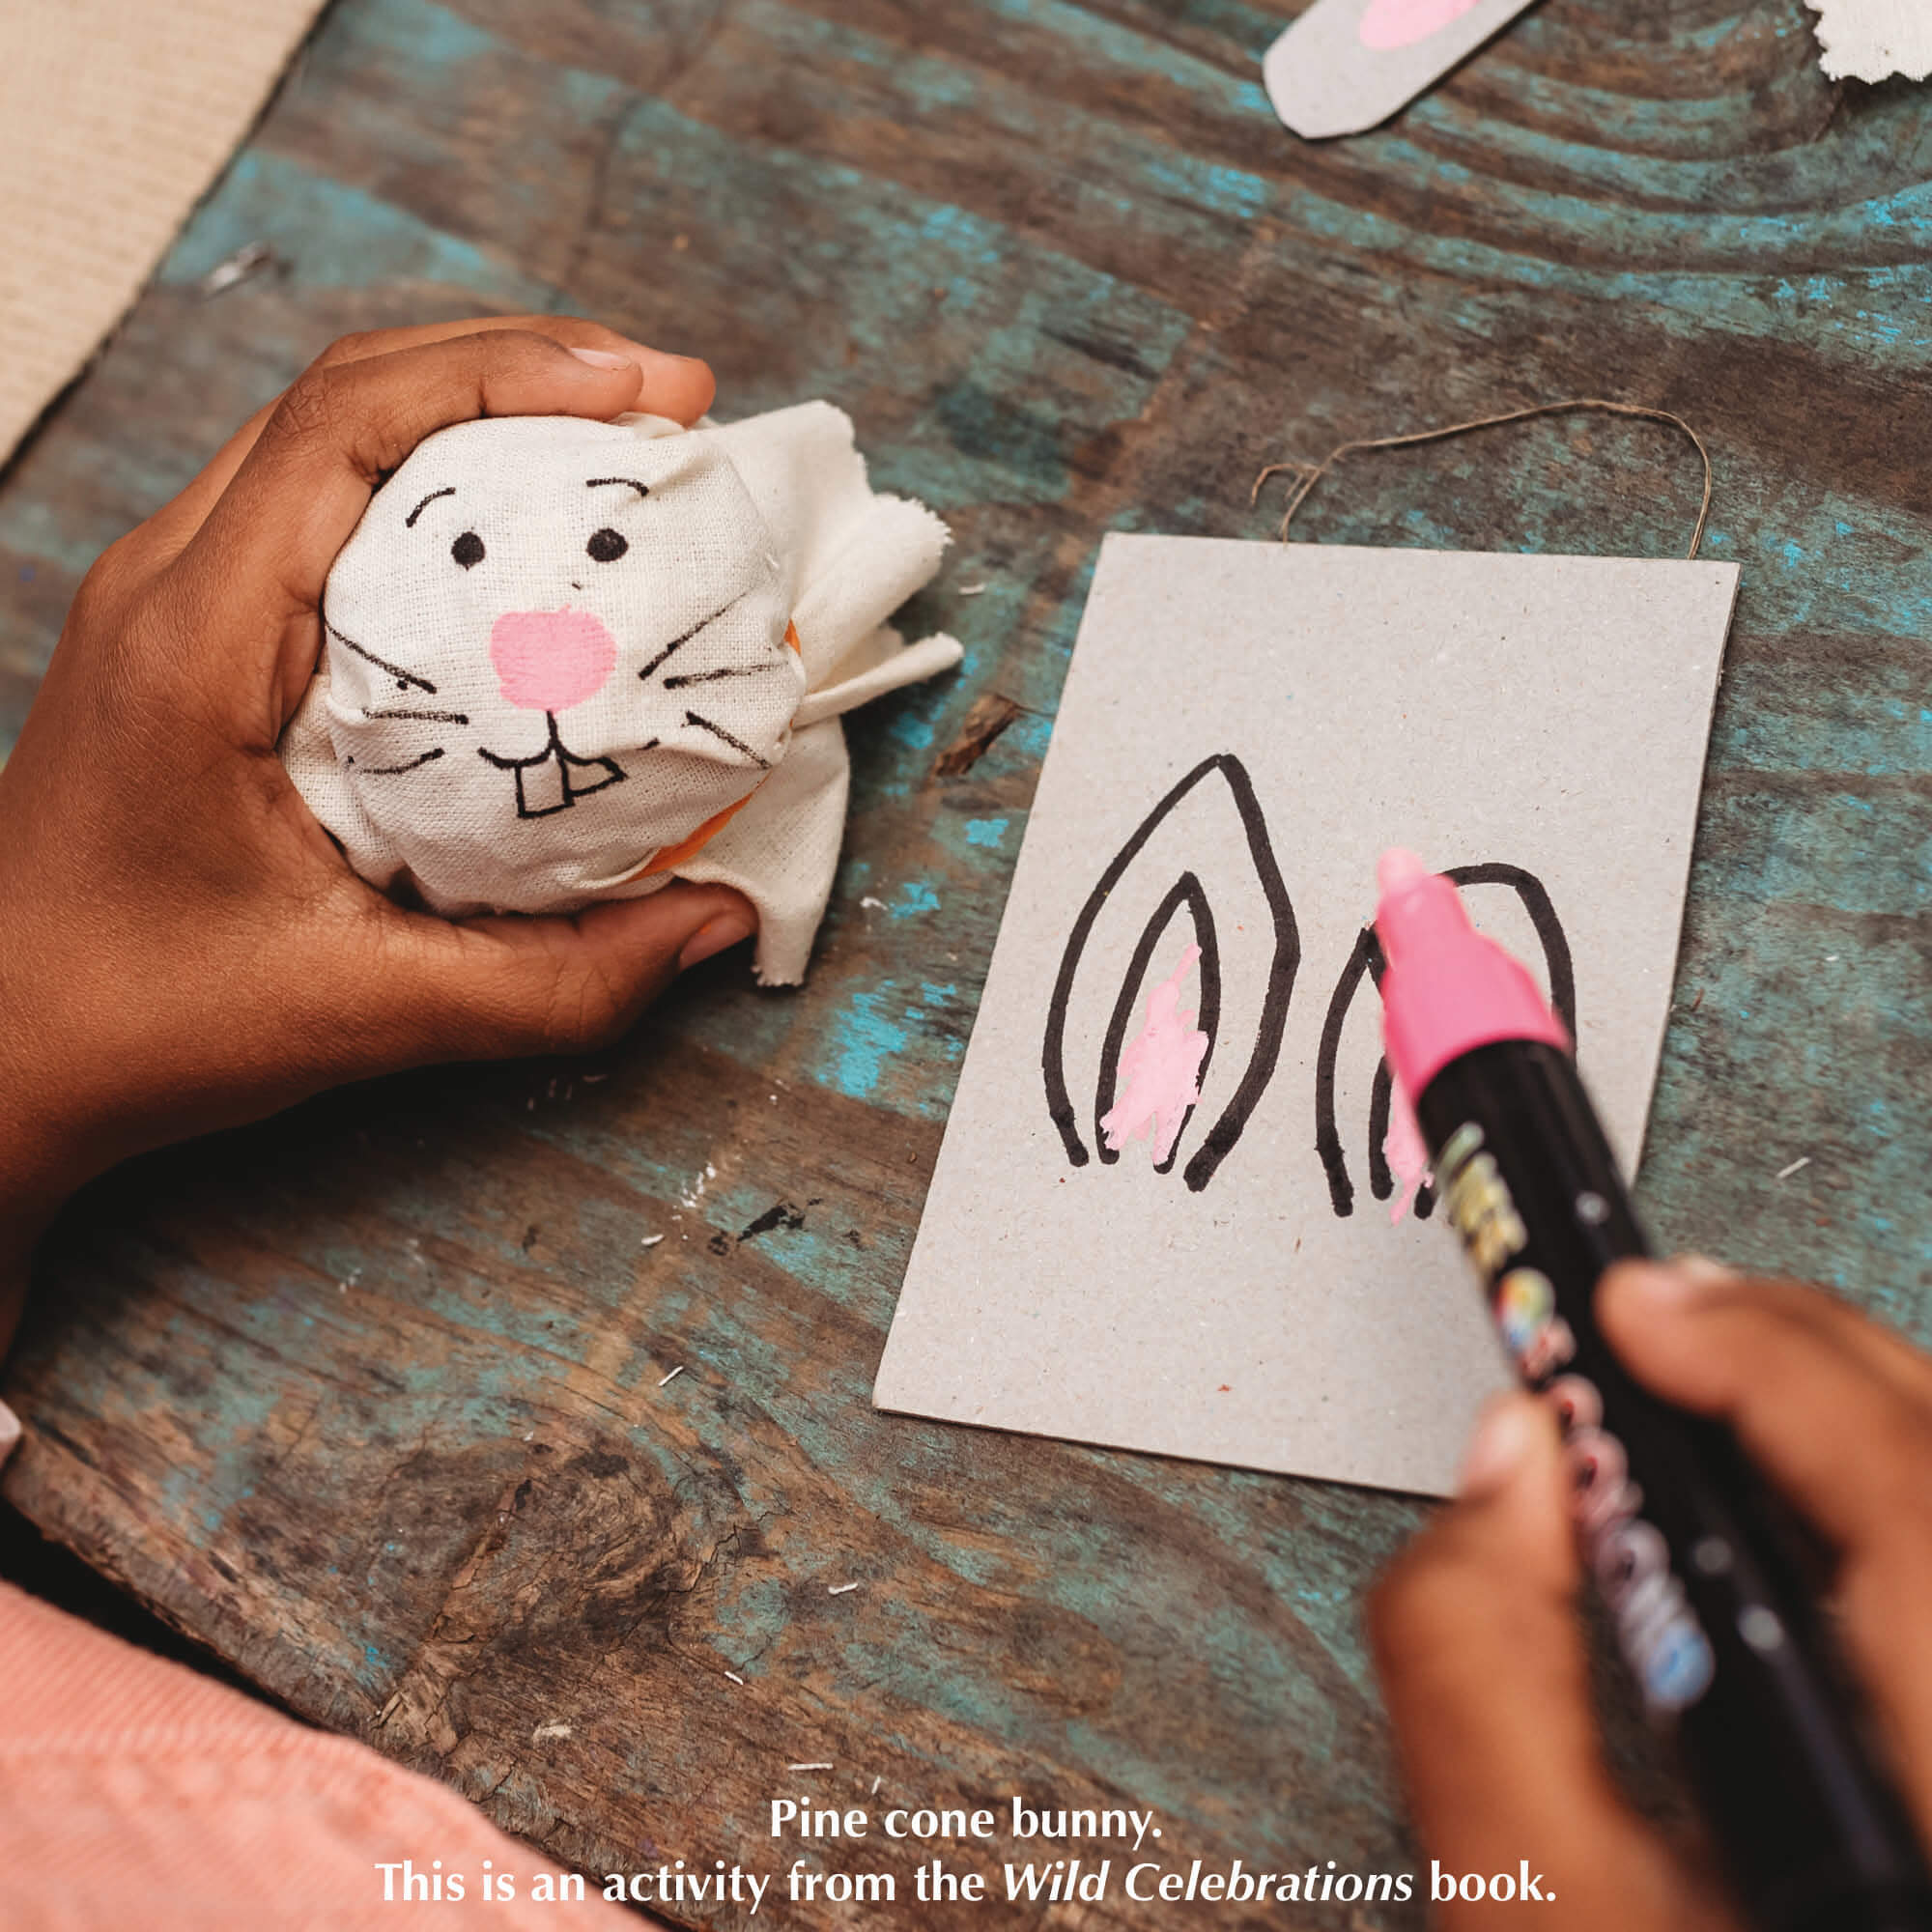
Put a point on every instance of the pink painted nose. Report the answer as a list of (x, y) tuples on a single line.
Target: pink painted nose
[(550, 660)]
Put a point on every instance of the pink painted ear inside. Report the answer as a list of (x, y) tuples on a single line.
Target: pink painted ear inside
[(550, 660), (1405, 1149), (1161, 1068), (1389, 24)]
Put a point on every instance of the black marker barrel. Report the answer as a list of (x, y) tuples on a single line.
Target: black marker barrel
[(1691, 1558)]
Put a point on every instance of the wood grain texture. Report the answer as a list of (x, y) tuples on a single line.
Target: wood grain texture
[(370, 1399)]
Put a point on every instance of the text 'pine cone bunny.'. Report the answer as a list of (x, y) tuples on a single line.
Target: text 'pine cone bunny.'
[(567, 661)]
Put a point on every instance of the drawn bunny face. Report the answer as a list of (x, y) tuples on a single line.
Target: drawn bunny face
[(564, 644)]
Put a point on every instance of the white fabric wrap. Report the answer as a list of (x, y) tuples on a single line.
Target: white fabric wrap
[(556, 651)]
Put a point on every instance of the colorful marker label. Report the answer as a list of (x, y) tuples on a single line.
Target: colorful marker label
[(1657, 1630)]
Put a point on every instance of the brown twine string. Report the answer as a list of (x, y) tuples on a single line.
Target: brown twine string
[(1308, 475)]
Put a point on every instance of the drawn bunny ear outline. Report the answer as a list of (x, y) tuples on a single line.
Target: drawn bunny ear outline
[(1187, 893), (1365, 961)]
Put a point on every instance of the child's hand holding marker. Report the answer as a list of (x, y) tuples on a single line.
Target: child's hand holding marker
[(1481, 1653), (181, 947)]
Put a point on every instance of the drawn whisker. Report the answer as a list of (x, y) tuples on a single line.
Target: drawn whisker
[(717, 677), (736, 744), (402, 676), (390, 771), (678, 643), (419, 717)]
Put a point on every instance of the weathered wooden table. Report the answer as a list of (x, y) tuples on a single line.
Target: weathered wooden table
[(372, 1400)]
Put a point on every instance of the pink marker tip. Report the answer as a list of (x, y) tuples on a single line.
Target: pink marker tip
[(1397, 869), (1445, 988)]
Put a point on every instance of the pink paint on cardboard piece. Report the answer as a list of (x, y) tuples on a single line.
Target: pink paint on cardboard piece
[(1388, 24), (1405, 1149), (1161, 1066)]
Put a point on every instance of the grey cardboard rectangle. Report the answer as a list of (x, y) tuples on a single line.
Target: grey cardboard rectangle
[(1544, 713)]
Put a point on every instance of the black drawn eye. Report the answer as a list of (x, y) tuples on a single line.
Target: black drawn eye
[(467, 550), (606, 546)]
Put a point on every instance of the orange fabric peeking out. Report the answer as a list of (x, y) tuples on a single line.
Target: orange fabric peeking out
[(673, 856)]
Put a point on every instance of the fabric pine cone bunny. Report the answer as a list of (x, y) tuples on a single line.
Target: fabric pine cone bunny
[(567, 661)]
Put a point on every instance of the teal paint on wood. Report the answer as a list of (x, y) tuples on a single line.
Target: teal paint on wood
[(372, 1400)]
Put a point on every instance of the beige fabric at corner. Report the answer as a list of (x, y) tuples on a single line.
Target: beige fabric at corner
[(115, 115)]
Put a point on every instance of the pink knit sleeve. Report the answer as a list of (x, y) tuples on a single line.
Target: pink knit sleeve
[(133, 1791)]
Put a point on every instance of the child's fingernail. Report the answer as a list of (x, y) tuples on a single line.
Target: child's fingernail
[(602, 358), (1680, 1280), (649, 358), (714, 936), (1505, 1432), (10, 1433), (1702, 1268)]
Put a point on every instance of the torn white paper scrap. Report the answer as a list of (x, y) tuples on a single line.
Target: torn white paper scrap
[(1873, 39), (1245, 726), (1345, 66)]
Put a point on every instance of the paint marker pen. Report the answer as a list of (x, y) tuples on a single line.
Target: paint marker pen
[(1688, 1551)]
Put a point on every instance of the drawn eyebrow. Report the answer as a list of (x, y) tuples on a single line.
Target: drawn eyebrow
[(410, 521), (715, 676), (678, 643), (598, 482), (736, 744), (419, 717), (390, 771), (402, 676)]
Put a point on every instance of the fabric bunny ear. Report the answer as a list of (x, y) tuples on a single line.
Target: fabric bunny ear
[(878, 662), (857, 556)]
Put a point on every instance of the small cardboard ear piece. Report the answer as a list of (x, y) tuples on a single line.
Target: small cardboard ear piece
[(1345, 66), (1873, 39)]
